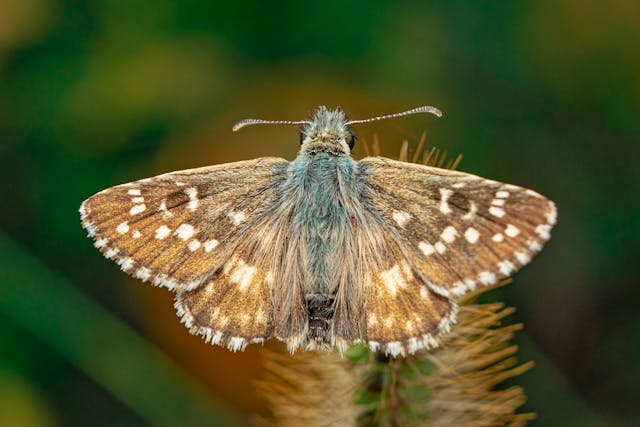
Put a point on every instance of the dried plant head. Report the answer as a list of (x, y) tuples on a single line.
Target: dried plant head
[(457, 384), (315, 388)]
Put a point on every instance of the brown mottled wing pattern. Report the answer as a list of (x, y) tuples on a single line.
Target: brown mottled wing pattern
[(175, 229), (233, 309), (189, 231), (403, 314), (456, 230), (245, 302)]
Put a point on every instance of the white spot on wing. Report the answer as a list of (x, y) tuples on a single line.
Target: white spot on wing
[(487, 278), (91, 229), (470, 284), (163, 208), (136, 209), (388, 322), (209, 245), (401, 217), (424, 292), (126, 263), (502, 194), (164, 280), (449, 234), (409, 326), (498, 237), (552, 216), (445, 193), (185, 231), (193, 198), (372, 320), (162, 232), (136, 234), (458, 288), (393, 279), (506, 267), (440, 247), (193, 245), (544, 231), (471, 235), (143, 273), (137, 200), (242, 275), (496, 211), (236, 343), (394, 348), (217, 337), (134, 192), (426, 248), (123, 228), (111, 252), (511, 230), (237, 217), (414, 345), (523, 258)]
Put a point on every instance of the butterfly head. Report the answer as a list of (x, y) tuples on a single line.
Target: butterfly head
[(327, 131)]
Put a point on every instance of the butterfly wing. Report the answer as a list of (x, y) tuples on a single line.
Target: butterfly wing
[(250, 299), (457, 231), (402, 314), (177, 229), (233, 308)]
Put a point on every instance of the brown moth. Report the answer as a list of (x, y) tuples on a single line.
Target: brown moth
[(323, 251)]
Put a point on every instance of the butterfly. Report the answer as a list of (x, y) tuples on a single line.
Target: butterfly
[(323, 251)]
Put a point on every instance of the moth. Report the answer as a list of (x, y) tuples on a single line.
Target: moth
[(323, 251)]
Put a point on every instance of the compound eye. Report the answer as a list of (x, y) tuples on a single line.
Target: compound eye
[(302, 136), (350, 140)]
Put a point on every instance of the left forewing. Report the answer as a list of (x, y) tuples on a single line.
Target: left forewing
[(459, 231), (177, 229)]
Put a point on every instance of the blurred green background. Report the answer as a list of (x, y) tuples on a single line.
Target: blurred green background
[(544, 94)]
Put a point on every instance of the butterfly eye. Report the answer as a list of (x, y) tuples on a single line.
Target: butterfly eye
[(302, 136), (350, 140)]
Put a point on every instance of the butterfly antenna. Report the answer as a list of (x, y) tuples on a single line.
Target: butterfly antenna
[(423, 109), (248, 122)]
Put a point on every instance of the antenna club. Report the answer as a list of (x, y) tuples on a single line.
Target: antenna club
[(423, 109), (248, 122), (240, 125), (435, 111)]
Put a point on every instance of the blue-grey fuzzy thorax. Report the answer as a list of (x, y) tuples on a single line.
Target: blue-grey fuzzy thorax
[(323, 183)]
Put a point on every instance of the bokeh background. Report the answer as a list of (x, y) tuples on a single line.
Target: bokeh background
[(544, 94)]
